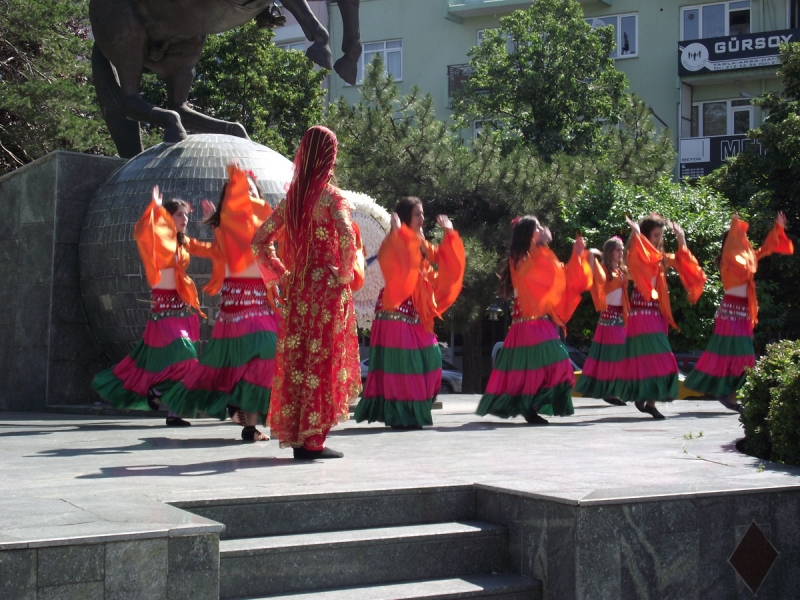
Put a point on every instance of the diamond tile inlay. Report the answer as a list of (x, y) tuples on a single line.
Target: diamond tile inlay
[(753, 557)]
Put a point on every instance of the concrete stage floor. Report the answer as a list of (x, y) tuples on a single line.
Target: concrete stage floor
[(67, 476)]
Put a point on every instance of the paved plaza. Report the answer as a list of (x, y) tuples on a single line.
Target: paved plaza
[(89, 476)]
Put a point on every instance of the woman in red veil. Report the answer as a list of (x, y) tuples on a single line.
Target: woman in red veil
[(317, 371)]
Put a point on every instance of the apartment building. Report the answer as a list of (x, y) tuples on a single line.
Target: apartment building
[(696, 64)]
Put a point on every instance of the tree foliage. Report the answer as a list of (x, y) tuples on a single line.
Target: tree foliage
[(760, 185), (47, 101), (544, 79)]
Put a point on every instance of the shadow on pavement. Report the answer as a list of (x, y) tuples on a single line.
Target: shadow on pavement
[(200, 469), (158, 443)]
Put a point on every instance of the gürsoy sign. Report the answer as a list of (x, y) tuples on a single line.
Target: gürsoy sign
[(733, 52)]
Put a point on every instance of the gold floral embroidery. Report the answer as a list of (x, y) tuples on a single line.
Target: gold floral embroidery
[(293, 341), (302, 307), (314, 346), (297, 377), (341, 376), (313, 419), (317, 274), (326, 316), (321, 233), (312, 381)]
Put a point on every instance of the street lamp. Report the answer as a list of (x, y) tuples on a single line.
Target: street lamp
[(494, 310)]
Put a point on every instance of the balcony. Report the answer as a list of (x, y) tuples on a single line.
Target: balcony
[(732, 52), (456, 10)]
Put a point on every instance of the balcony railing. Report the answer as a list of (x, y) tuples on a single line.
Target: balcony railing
[(457, 75), (732, 52)]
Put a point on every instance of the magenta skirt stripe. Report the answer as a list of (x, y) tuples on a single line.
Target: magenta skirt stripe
[(724, 366), (530, 333), (139, 381), (733, 328), (400, 335), (258, 371), (530, 382), (228, 330), (162, 332), (403, 387), (646, 323)]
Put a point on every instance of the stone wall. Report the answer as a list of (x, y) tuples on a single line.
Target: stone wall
[(48, 354)]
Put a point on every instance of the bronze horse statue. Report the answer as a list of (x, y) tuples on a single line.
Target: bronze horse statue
[(167, 37)]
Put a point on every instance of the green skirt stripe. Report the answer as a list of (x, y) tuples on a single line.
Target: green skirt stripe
[(717, 386), (556, 401), (416, 361), (394, 413), (530, 358), (589, 387), (647, 344), (607, 352), (234, 352), (154, 360), (245, 395), (112, 390), (653, 388), (723, 345)]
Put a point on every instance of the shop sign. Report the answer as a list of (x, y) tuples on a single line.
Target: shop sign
[(735, 52), (699, 156)]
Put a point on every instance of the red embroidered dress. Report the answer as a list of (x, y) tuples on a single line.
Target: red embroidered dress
[(317, 373)]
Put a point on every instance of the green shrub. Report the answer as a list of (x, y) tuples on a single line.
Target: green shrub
[(771, 398)]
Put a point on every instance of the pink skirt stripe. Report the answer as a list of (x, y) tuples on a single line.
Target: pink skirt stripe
[(649, 366), (401, 335), (733, 327), (724, 366), (257, 371), (530, 382), (140, 381), (530, 333), (162, 332), (642, 324), (403, 387)]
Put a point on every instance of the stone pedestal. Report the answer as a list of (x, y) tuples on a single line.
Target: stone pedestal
[(48, 353)]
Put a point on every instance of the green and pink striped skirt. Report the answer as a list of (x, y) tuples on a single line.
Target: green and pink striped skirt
[(648, 370), (720, 369), (532, 373), (238, 363), (405, 370), (602, 374), (164, 355)]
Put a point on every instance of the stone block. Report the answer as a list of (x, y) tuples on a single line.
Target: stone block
[(66, 265), (678, 516), (6, 365), (785, 521), (74, 591), (677, 565), (79, 175), (67, 306), (136, 569), (8, 275), (73, 341), (193, 553), (717, 580), (598, 569), (18, 574), (37, 202), (69, 220), (32, 314), (193, 585), (62, 565), (10, 193), (69, 381), (27, 381), (35, 252)]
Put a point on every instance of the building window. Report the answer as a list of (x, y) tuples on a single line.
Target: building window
[(794, 14), (509, 42), (721, 117), (392, 53), (301, 46), (715, 20), (626, 33)]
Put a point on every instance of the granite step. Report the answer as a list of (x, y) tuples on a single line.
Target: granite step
[(357, 557), (284, 515), (501, 586)]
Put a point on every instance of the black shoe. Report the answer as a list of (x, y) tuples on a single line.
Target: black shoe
[(535, 419), (177, 422), (614, 401), (251, 434), (152, 399), (306, 454), (653, 412), (640, 407), (734, 406)]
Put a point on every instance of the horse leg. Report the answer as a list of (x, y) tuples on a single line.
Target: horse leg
[(177, 70), (347, 65), (319, 52)]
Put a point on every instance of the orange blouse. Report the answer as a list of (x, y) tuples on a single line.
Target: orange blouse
[(157, 240), (739, 262), (240, 217), (646, 263), (602, 286), (544, 286), (409, 273)]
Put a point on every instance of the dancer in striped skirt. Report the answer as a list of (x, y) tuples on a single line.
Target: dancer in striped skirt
[(166, 352), (532, 374), (720, 370), (234, 375), (405, 362), (649, 369), (602, 373)]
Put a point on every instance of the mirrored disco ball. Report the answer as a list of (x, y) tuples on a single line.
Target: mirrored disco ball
[(115, 291)]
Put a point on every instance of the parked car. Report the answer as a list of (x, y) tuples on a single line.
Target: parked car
[(451, 376)]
